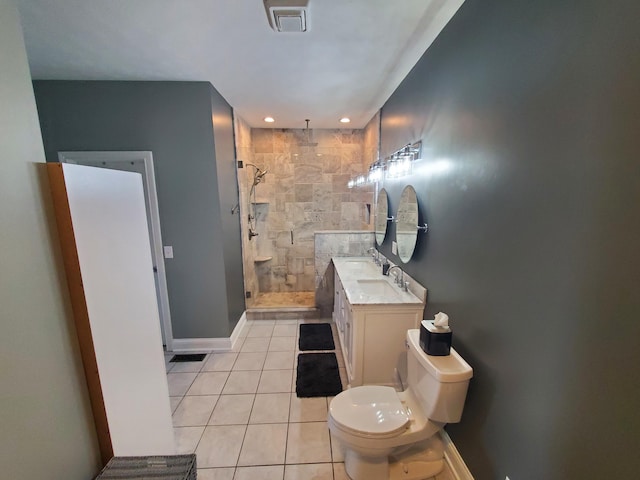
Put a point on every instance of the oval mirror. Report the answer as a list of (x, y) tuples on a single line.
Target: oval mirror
[(407, 223), (382, 213)]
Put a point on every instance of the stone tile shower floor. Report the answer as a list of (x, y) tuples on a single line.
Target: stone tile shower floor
[(284, 300), (238, 411)]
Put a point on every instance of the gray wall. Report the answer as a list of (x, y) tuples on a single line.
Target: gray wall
[(534, 228), (174, 121), (46, 428)]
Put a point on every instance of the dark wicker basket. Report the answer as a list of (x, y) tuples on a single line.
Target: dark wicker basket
[(170, 467)]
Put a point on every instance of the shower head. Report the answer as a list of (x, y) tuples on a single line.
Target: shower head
[(259, 173), (307, 142), (257, 178)]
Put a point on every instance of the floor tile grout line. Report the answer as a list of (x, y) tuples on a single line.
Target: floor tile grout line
[(291, 392), (248, 420), (286, 440), (177, 407), (205, 427), (194, 379), (245, 434), (213, 410)]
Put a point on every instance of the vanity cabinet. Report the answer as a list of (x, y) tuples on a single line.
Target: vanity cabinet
[(342, 319), (372, 334)]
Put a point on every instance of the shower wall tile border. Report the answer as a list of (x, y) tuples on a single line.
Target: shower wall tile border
[(335, 243)]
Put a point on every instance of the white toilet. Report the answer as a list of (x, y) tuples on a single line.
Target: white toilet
[(391, 435)]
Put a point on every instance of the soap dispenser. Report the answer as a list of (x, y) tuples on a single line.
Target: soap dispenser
[(385, 267), (436, 335)]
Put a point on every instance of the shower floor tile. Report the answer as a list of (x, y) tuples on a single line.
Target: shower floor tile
[(284, 299)]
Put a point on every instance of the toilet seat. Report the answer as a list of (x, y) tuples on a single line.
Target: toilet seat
[(369, 411)]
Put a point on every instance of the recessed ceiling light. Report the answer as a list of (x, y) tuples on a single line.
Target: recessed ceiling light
[(269, 119), (345, 120)]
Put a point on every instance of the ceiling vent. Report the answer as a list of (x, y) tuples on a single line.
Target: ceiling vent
[(287, 15)]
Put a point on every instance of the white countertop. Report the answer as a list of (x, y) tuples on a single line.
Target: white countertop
[(364, 283)]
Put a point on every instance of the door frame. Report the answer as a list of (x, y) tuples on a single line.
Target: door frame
[(113, 158)]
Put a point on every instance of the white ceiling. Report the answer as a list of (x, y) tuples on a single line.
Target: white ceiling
[(353, 57)]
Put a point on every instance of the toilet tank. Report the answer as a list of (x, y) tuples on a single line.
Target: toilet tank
[(439, 384)]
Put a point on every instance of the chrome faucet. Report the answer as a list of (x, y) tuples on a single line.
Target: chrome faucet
[(375, 255), (399, 276)]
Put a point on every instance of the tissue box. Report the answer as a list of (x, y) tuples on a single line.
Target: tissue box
[(434, 340)]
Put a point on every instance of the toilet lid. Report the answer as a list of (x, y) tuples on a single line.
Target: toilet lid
[(370, 410)]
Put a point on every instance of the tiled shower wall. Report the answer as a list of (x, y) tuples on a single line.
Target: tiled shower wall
[(305, 191), (335, 244)]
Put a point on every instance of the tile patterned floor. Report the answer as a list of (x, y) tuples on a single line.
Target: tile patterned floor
[(239, 413)]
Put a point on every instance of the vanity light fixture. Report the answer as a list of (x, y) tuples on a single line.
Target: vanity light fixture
[(400, 163), (376, 172), (269, 119), (358, 181), (399, 166), (396, 165)]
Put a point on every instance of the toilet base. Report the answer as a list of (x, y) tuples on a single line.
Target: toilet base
[(359, 467), (416, 462), (417, 470)]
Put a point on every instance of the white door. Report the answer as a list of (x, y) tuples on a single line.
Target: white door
[(142, 163), (117, 317)]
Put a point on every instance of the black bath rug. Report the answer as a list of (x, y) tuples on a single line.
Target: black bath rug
[(318, 375), (188, 357), (316, 336)]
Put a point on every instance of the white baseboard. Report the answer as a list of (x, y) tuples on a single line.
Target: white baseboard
[(238, 328), (454, 460), (186, 345), (191, 345)]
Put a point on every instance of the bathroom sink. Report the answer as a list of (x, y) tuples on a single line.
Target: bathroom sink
[(377, 287), (360, 266), (364, 284)]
